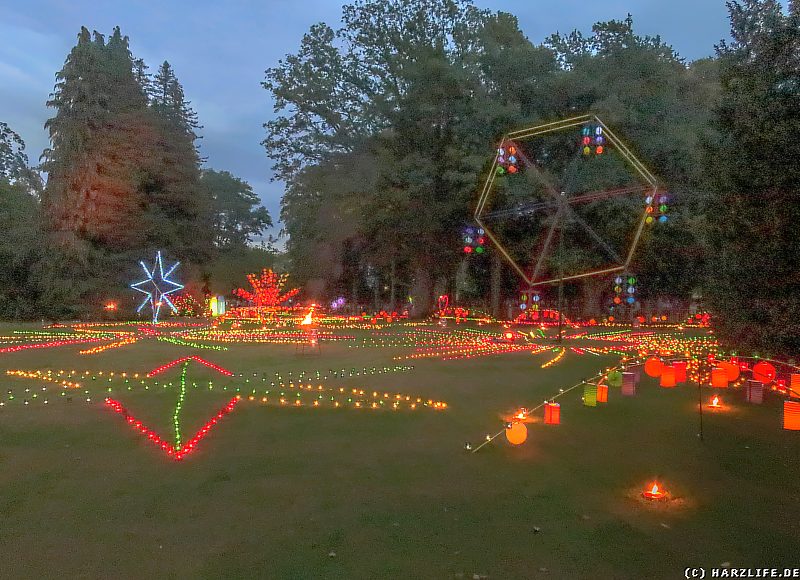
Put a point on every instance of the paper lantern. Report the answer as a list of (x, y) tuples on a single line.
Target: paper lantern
[(614, 379), (719, 377), (628, 384), (517, 433), (764, 372), (791, 415), (731, 369), (602, 393), (794, 385), (667, 377), (680, 371), (552, 414), (590, 395), (653, 367), (755, 392)]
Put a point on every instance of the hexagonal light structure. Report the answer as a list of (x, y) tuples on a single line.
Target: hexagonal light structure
[(561, 196)]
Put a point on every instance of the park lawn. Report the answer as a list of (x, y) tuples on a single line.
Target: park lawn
[(346, 493)]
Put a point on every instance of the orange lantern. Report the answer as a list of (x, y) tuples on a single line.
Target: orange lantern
[(653, 367), (764, 372), (791, 415), (719, 377), (552, 413), (668, 377), (517, 433), (602, 393), (794, 385), (731, 369), (680, 371)]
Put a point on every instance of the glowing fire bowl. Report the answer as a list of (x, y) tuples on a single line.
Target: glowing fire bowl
[(655, 493)]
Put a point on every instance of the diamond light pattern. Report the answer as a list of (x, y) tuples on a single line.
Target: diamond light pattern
[(562, 195)]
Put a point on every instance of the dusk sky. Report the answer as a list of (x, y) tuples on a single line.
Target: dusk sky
[(220, 50)]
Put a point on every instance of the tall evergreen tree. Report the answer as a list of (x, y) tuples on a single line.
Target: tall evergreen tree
[(181, 209), (753, 286), (123, 175), (168, 99)]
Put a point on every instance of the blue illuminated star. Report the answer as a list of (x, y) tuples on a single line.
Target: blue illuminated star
[(157, 286)]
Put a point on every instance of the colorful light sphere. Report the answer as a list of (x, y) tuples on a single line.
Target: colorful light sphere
[(517, 433), (157, 286), (592, 135), (474, 240), (507, 161), (624, 289)]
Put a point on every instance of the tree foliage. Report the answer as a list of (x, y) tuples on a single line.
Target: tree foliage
[(386, 125), (237, 213), (124, 173), (754, 174)]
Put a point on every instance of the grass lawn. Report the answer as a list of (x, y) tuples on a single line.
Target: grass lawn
[(304, 492)]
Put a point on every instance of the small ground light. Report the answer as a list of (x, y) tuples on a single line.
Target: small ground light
[(654, 492)]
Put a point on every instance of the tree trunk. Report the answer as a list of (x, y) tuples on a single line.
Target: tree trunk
[(592, 292), (392, 286), (421, 292), (354, 294), (496, 278)]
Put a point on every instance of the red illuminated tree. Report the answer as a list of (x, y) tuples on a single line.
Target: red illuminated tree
[(267, 290)]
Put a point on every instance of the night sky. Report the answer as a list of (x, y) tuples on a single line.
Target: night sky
[(219, 51)]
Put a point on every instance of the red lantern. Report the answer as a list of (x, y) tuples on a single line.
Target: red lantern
[(731, 369), (552, 413), (764, 372), (653, 367), (680, 371), (719, 378), (668, 377), (602, 393)]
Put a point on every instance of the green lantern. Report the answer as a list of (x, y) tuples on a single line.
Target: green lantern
[(614, 379)]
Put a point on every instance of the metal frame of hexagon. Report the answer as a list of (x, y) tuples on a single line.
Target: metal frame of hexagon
[(549, 128)]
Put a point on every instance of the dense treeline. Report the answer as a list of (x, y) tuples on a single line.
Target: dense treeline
[(124, 178), (386, 127)]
